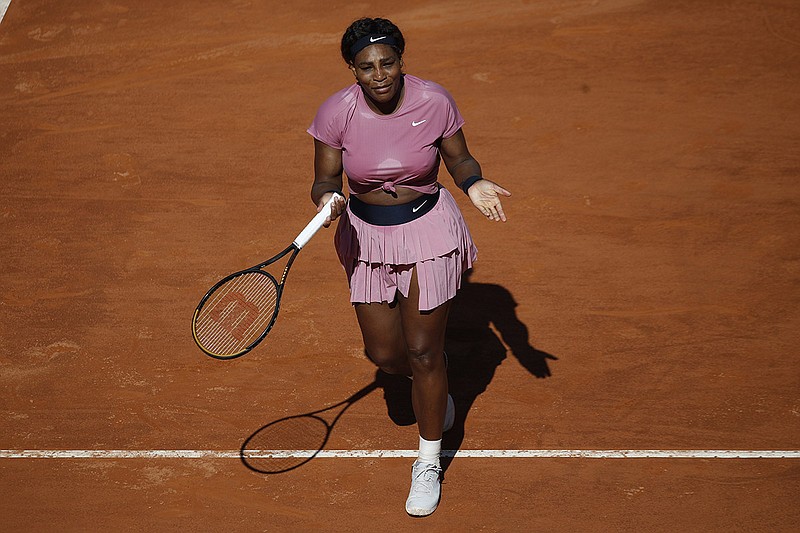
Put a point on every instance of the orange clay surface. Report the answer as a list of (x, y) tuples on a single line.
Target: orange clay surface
[(642, 295)]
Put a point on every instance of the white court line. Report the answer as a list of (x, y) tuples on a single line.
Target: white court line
[(3, 8), (364, 454)]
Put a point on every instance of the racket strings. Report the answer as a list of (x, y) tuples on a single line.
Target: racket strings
[(237, 313), (232, 312)]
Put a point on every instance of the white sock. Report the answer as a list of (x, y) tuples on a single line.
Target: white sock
[(429, 451)]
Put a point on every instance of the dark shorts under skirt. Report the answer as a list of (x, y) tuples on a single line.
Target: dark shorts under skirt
[(379, 260)]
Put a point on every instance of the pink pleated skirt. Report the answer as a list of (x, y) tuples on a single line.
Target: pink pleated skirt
[(379, 260)]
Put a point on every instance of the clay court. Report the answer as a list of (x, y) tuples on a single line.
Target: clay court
[(623, 356)]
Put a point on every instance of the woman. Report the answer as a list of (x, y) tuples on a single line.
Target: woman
[(401, 238)]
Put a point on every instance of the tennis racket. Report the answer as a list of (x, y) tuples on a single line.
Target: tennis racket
[(240, 309), (290, 442)]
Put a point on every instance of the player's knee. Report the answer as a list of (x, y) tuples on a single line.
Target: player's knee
[(388, 361), (424, 359)]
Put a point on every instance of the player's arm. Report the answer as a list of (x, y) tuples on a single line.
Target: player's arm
[(328, 171), (466, 172), (459, 162)]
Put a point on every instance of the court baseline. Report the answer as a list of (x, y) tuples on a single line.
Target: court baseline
[(364, 454)]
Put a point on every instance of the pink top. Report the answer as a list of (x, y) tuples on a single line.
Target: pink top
[(384, 151)]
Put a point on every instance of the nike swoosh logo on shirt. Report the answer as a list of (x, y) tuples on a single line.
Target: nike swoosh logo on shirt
[(415, 209), (415, 124), (375, 40)]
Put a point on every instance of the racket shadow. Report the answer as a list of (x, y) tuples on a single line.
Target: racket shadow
[(291, 442)]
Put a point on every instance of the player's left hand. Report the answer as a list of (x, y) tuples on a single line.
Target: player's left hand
[(485, 196)]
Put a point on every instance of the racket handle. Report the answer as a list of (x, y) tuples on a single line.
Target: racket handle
[(315, 224)]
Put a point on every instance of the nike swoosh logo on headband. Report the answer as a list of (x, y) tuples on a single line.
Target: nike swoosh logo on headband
[(376, 39)]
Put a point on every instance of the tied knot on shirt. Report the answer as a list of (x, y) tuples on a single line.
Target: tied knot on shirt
[(388, 186)]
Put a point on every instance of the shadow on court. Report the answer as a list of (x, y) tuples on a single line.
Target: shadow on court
[(475, 350), (292, 441)]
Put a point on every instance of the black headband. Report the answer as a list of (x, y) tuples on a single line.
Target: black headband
[(369, 40)]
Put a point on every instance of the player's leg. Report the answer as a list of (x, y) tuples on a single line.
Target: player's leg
[(424, 337), (382, 331), (424, 334)]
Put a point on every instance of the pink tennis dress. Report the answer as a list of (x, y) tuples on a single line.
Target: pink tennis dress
[(385, 152)]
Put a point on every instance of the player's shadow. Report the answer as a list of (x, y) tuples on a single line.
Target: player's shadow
[(475, 351)]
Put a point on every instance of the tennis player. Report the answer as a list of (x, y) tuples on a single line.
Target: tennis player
[(401, 238)]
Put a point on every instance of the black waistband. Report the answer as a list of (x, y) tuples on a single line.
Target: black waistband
[(392, 215)]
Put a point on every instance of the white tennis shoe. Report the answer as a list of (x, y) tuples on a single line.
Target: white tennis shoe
[(426, 489)]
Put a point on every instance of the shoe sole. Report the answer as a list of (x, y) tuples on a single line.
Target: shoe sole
[(419, 513)]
